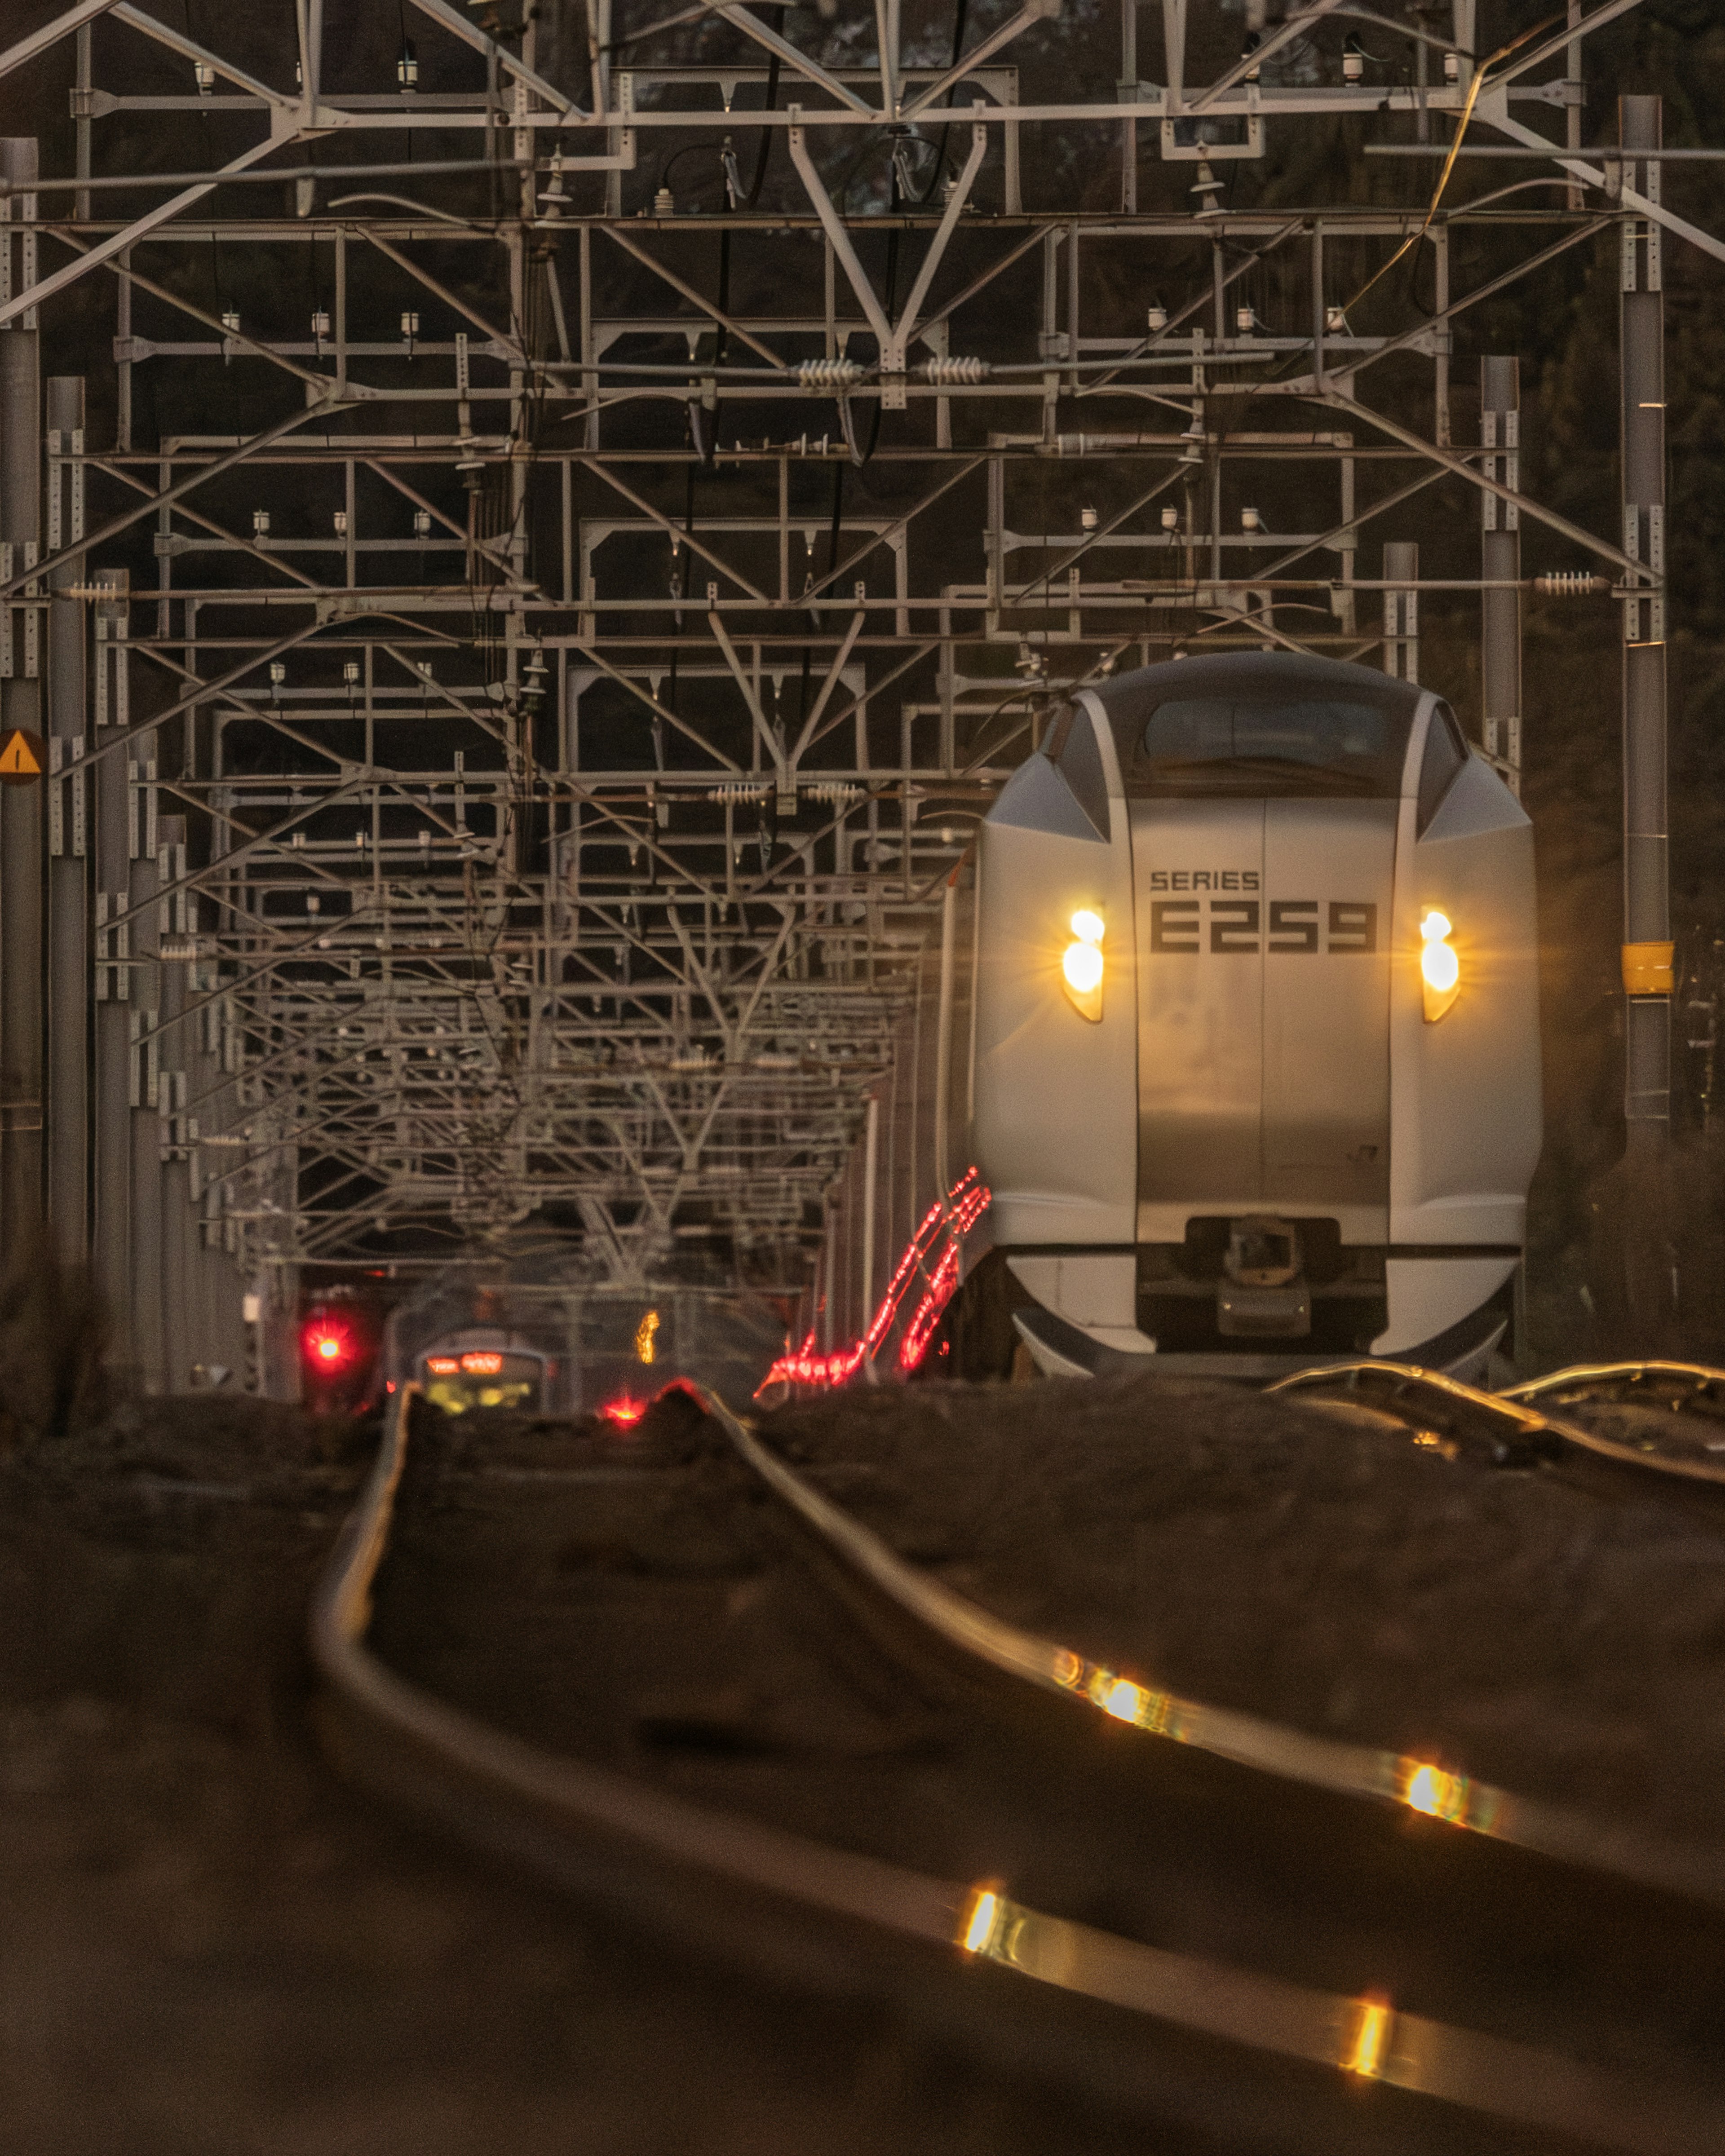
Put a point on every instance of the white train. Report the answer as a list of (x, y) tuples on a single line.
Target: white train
[(1256, 1075)]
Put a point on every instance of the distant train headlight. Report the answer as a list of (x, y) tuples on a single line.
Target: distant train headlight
[(1081, 966), (1440, 968)]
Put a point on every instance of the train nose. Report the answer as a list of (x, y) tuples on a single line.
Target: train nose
[(1290, 1094), (1264, 948)]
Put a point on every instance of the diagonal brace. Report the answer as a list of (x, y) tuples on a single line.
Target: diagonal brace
[(891, 338), (117, 243), (195, 477), (827, 687), (1027, 19), (763, 731)]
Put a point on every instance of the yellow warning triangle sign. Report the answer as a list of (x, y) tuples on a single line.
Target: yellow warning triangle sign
[(19, 757)]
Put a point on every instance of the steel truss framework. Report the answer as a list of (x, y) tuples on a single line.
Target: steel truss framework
[(518, 778)]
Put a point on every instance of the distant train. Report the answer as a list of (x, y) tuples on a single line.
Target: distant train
[(590, 1348), (1256, 1049), (482, 1367)]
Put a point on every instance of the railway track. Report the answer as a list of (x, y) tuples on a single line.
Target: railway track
[(1665, 1419), (740, 1882)]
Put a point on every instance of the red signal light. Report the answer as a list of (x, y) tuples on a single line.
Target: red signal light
[(325, 1346)]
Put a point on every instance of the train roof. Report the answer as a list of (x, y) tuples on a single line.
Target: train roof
[(1248, 673)]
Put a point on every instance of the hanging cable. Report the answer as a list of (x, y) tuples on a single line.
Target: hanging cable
[(777, 15), (940, 162), (1474, 88)]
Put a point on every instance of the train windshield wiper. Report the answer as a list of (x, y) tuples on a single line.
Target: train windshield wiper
[(1242, 774)]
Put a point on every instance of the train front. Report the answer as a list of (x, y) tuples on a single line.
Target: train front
[(1257, 1063)]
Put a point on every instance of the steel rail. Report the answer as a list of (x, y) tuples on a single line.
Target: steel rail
[(1700, 1377), (1249, 1740), (1513, 1403), (1590, 1373), (602, 1832)]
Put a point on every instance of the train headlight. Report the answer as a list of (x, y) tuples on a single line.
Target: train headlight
[(1081, 966), (1440, 968)]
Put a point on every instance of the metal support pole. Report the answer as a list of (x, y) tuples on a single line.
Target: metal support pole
[(280, 1373), (890, 1167), (80, 109), (111, 1240), (1573, 89), (179, 1228), (68, 978), (1501, 565), (871, 1156), (1401, 611), (145, 1297), (1347, 549), (1443, 334), (122, 368), (218, 1339), (943, 1046), (1646, 890), (22, 809), (828, 1278)]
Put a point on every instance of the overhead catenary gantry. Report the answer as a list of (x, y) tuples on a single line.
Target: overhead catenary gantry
[(585, 513)]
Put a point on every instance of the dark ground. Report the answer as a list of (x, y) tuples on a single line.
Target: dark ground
[(209, 1943)]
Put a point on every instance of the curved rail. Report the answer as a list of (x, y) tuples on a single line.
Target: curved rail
[(407, 1745), (389, 1730), (1697, 1380), (1512, 1404), (1273, 1747)]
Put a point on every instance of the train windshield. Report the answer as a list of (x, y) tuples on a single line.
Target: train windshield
[(1272, 744)]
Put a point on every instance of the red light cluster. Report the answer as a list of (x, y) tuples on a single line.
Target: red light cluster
[(624, 1412), (964, 1206)]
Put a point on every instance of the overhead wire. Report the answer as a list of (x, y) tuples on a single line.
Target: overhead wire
[(1474, 88)]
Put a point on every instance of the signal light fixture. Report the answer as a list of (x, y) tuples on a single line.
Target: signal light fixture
[(325, 1346)]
